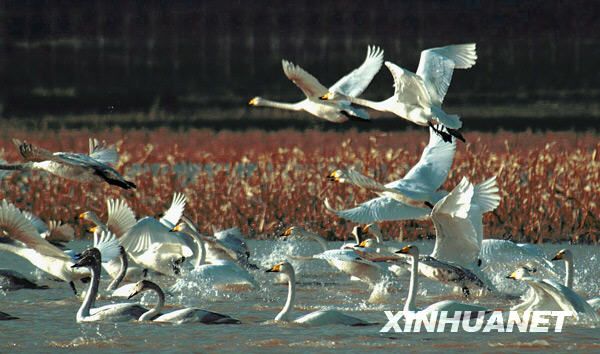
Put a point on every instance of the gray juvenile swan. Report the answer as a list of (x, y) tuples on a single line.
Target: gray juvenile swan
[(94, 167), (185, 315), (91, 258)]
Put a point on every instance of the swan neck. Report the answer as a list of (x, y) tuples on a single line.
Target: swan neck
[(412, 290), (201, 256), (569, 272), (148, 315), (286, 312), (90, 296), (122, 271), (280, 105), (317, 238), (376, 105)]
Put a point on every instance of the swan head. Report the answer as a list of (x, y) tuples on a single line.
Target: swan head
[(410, 250), (93, 229), (88, 215), (89, 258), (293, 231), (372, 229), (521, 273), (139, 287), (256, 101), (281, 267), (564, 254), (368, 243), (337, 176), (182, 227)]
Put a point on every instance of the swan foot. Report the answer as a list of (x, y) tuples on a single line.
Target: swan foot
[(466, 292), (145, 272), (73, 287), (445, 136), (458, 135)]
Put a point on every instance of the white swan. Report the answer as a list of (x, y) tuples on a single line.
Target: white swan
[(95, 167), (222, 274), (447, 305), (224, 245), (567, 256), (120, 218), (418, 97), (421, 182), (91, 258), (185, 315), (11, 280), (20, 237), (148, 241), (352, 85), (317, 318), (549, 295)]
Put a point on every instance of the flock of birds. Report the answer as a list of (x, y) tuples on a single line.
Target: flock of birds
[(131, 250)]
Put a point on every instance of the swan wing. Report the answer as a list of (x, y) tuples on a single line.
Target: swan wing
[(330, 317), (107, 244), (486, 195), (232, 239), (456, 239), (16, 227), (59, 232), (192, 314), (175, 211), (116, 313), (432, 170), (38, 223), (311, 87), (379, 209), (453, 306), (568, 299), (120, 216), (437, 65), (145, 233), (103, 153), (354, 83), (356, 178), (408, 87), (345, 255)]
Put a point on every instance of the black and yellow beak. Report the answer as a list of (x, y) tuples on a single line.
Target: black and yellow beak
[(512, 275), (287, 232), (253, 102), (93, 229), (326, 96), (275, 269), (177, 228), (404, 250), (558, 256)]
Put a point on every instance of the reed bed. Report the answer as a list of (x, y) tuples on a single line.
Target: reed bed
[(266, 181)]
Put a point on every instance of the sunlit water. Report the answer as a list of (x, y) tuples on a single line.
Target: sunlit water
[(47, 317)]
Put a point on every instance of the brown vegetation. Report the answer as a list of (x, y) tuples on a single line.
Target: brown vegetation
[(263, 182)]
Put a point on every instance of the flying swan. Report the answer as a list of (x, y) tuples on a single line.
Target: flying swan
[(351, 85), (418, 97), (95, 167)]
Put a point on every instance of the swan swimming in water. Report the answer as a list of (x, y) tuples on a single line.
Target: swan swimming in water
[(185, 315), (222, 274), (317, 318), (447, 305), (95, 167), (549, 295), (91, 258), (418, 96), (340, 111), (567, 256)]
